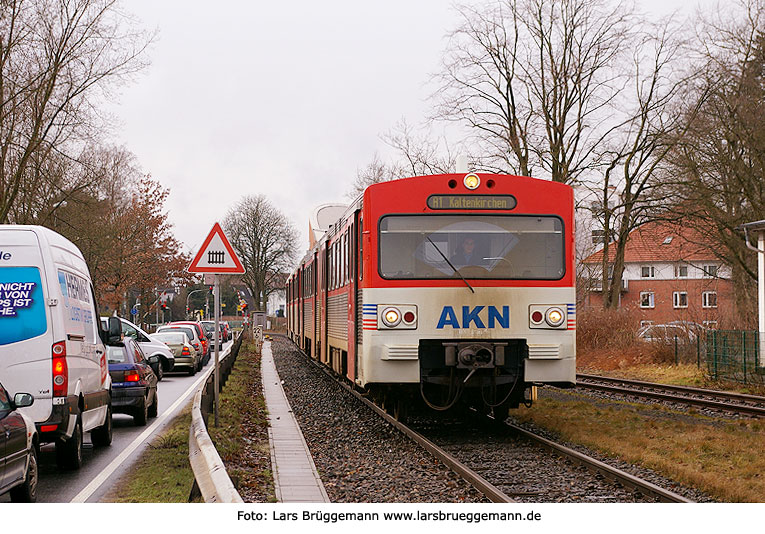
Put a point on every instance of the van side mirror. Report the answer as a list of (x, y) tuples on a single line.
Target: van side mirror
[(22, 400), (115, 329)]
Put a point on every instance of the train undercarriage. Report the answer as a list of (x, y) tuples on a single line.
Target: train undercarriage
[(485, 375)]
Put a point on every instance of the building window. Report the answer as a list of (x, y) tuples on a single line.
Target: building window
[(647, 271), (680, 299), (598, 237), (709, 299), (681, 271), (710, 271), (712, 325), (645, 323), (646, 299)]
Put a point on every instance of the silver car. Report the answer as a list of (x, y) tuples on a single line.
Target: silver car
[(151, 347)]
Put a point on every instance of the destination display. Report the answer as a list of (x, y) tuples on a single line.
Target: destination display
[(471, 202)]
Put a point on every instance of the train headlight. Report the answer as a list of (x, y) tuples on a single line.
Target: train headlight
[(391, 317), (554, 317), (471, 181)]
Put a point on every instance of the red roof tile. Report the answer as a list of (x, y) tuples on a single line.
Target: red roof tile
[(647, 244)]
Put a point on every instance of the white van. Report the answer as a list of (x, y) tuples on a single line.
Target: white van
[(51, 342)]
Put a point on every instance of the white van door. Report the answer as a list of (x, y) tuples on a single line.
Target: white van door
[(85, 355)]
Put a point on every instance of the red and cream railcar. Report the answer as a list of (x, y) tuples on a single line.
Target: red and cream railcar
[(448, 287)]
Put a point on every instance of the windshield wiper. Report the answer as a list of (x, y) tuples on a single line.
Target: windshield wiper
[(450, 264)]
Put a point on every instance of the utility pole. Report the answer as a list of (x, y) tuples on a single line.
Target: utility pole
[(216, 340)]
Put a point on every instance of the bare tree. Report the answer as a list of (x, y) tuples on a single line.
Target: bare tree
[(721, 161), (265, 241), (635, 187), (416, 153), (58, 59), (534, 79)]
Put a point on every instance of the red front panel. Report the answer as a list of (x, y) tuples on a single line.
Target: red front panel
[(411, 196)]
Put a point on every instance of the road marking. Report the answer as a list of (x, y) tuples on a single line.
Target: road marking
[(96, 483)]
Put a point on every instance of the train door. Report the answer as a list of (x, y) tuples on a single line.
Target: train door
[(352, 298), (323, 290)]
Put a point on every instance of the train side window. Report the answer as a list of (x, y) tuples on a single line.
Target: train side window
[(361, 249), (345, 258)]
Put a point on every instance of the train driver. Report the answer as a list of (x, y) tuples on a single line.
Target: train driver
[(467, 254)]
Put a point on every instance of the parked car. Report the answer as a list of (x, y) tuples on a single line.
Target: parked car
[(192, 334), (51, 341), (150, 346), (206, 343), (134, 384), (666, 333), (186, 356), (18, 448)]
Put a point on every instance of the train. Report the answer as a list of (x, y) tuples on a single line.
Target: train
[(446, 291)]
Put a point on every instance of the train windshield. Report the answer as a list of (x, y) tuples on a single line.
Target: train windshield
[(510, 247)]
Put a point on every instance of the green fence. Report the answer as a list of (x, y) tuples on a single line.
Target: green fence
[(733, 355)]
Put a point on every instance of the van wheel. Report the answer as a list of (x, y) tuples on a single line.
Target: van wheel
[(102, 435), (160, 371), (141, 413), (27, 492), (152, 412), (69, 452)]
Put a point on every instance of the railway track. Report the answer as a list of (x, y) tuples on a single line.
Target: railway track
[(491, 490), (738, 403)]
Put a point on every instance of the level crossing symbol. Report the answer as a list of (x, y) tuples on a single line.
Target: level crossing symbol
[(216, 255)]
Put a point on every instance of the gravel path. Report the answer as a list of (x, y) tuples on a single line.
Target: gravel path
[(360, 457)]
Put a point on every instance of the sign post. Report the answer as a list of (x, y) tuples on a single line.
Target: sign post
[(216, 256)]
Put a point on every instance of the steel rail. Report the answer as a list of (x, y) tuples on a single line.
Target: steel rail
[(707, 403), (680, 389), (490, 491), (608, 471)]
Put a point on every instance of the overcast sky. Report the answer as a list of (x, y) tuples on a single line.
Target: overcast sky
[(287, 99)]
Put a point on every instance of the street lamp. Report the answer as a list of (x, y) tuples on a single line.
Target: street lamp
[(187, 299)]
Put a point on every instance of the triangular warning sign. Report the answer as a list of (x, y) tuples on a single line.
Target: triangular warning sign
[(216, 255)]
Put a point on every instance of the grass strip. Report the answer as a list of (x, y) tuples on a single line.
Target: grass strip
[(162, 473), (242, 435), (718, 456)]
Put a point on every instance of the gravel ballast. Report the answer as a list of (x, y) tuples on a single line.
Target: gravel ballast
[(360, 458)]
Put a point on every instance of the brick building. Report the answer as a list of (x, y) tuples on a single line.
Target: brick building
[(670, 275)]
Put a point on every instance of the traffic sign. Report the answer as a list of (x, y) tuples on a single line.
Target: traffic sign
[(133, 311), (216, 255)]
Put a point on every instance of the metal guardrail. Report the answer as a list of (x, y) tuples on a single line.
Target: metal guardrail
[(211, 480)]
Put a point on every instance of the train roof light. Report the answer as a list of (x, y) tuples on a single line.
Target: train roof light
[(471, 181)]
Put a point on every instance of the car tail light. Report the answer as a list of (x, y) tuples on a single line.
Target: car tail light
[(185, 352), (48, 428), (60, 369), (132, 377)]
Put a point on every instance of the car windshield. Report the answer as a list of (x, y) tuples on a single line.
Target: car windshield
[(116, 354), (478, 246), (185, 329), (170, 337)]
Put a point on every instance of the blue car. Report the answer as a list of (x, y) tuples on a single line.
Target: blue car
[(134, 384)]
